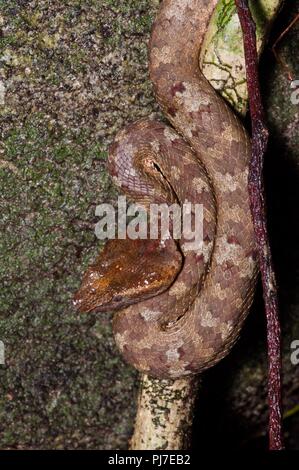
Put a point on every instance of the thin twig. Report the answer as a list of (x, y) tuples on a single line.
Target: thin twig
[(258, 209)]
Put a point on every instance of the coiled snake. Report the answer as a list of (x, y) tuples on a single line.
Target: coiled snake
[(180, 310)]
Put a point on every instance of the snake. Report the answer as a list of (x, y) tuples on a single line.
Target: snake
[(179, 308)]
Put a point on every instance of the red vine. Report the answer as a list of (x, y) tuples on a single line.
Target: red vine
[(258, 210)]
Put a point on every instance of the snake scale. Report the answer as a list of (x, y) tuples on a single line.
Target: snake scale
[(180, 310)]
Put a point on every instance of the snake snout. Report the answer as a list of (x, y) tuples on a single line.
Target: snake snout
[(126, 272)]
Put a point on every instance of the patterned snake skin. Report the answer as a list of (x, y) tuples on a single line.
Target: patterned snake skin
[(180, 310)]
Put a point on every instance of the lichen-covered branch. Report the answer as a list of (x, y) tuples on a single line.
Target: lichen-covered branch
[(222, 58), (165, 413)]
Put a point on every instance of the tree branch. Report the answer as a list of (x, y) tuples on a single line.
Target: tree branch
[(165, 413), (258, 209)]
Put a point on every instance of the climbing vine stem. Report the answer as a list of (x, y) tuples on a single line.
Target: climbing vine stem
[(258, 209)]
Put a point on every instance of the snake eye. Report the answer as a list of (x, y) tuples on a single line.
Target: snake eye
[(152, 165), (152, 169)]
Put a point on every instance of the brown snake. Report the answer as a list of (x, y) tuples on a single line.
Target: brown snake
[(180, 310)]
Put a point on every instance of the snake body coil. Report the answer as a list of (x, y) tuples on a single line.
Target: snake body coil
[(192, 320)]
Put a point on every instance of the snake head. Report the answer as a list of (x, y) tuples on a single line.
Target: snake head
[(126, 272)]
